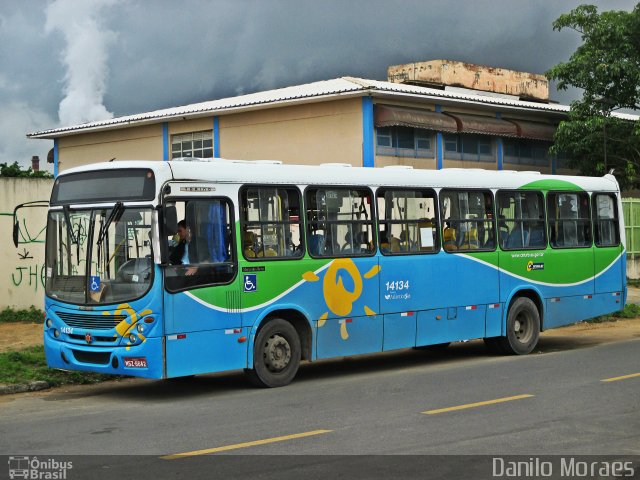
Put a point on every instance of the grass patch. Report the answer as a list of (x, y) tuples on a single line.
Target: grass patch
[(630, 310), (29, 365), (29, 315)]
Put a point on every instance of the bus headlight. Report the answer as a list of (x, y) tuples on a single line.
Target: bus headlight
[(140, 328), (56, 333), (132, 338), (49, 323)]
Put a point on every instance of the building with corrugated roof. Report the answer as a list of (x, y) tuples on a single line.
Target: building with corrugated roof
[(430, 115)]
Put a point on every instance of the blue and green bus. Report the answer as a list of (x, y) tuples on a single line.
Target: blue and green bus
[(172, 269)]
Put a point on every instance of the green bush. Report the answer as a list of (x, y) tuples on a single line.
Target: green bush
[(30, 315), (14, 170)]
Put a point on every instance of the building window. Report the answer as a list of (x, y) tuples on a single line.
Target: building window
[(194, 144), (526, 152), (405, 142), (469, 147)]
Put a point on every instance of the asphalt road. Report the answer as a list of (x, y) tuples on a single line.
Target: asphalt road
[(563, 401)]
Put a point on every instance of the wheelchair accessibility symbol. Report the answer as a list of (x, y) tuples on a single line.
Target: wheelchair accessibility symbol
[(250, 283), (94, 284)]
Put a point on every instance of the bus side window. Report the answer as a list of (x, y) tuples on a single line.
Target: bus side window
[(271, 222), (407, 221), (605, 218), (339, 221), (569, 219), (468, 219)]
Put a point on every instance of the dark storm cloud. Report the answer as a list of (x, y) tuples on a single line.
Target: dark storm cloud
[(166, 53)]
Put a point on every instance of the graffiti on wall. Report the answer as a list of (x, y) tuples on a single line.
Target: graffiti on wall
[(28, 271)]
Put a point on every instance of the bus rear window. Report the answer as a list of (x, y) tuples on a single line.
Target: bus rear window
[(125, 185)]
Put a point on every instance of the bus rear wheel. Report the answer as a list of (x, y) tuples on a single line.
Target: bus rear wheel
[(276, 355), (523, 328)]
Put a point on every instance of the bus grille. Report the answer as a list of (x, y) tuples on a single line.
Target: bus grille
[(91, 322), (97, 358)]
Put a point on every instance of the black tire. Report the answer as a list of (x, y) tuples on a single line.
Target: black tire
[(276, 355), (523, 328)]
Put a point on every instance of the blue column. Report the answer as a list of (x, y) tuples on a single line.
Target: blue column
[(368, 159), (55, 157), (500, 146), (165, 141), (439, 144), (216, 137)]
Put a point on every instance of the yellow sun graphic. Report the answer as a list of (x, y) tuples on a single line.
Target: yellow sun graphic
[(340, 300)]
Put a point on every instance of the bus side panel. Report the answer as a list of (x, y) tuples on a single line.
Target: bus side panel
[(349, 336), (186, 313), (567, 310), (610, 273), (399, 330), (493, 320), (206, 352), (450, 325)]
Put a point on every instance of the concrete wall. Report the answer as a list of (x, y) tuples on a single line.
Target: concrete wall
[(134, 143), (311, 134), (22, 269)]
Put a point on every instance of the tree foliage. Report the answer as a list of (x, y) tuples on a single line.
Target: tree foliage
[(14, 170), (606, 67)]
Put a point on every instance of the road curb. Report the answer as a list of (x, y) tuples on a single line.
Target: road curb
[(24, 387)]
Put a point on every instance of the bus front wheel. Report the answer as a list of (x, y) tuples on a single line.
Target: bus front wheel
[(276, 355), (523, 328)]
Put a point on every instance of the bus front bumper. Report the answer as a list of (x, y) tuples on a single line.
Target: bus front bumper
[(145, 360)]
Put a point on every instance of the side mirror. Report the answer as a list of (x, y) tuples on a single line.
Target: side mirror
[(170, 220), (16, 224)]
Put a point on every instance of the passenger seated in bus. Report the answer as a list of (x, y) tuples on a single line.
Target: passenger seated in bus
[(179, 247), (249, 244), (347, 246), (362, 244)]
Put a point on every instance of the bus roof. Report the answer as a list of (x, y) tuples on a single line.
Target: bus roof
[(273, 172)]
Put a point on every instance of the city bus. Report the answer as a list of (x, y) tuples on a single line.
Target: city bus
[(193, 266)]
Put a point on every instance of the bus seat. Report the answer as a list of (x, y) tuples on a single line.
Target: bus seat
[(449, 239), (268, 252), (536, 239), (518, 238), (470, 239), (316, 244), (362, 242)]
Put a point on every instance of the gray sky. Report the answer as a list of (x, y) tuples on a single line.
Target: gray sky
[(71, 61)]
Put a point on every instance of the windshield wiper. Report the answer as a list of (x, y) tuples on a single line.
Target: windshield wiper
[(115, 214), (67, 219)]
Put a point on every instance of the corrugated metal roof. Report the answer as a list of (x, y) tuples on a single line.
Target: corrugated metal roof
[(326, 88)]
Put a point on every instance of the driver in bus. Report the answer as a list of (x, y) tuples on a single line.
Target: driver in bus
[(179, 247)]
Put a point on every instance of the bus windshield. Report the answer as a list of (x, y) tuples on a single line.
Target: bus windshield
[(100, 256)]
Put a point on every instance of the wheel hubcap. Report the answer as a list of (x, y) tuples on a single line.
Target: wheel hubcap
[(277, 353), (522, 328)]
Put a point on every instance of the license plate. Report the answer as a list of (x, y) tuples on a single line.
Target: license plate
[(139, 362)]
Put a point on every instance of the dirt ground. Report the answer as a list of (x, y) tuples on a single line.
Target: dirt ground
[(16, 336)]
